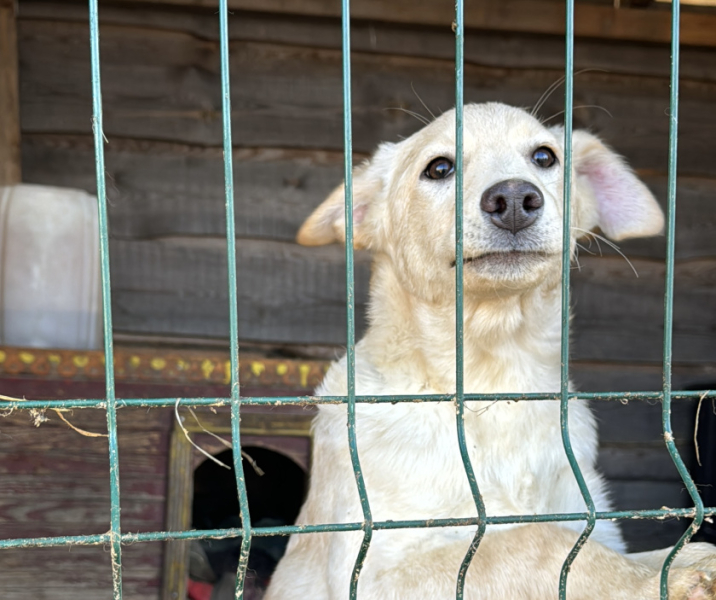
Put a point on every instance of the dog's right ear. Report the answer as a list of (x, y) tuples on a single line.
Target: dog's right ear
[(327, 223)]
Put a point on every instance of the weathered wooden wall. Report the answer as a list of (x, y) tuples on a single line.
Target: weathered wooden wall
[(55, 482), (9, 100), (161, 94), (164, 174)]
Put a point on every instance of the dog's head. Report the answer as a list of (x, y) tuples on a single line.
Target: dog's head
[(404, 202)]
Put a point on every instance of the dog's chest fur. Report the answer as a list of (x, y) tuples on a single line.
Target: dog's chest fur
[(409, 452)]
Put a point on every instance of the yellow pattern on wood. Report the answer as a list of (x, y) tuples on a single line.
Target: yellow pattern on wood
[(27, 357), (227, 371), (80, 361), (304, 370), (257, 368), (207, 368)]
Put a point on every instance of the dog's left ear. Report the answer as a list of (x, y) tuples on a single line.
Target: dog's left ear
[(326, 224), (609, 194)]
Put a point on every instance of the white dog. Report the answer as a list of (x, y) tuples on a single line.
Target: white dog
[(404, 212)]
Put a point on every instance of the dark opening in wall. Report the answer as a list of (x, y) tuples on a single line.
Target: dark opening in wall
[(703, 470), (275, 498)]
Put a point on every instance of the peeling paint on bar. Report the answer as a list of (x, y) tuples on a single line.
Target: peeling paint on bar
[(111, 404), (19, 404), (459, 29), (566, 262), (367, 524), (670, 232), (233, 370), (216, 534)]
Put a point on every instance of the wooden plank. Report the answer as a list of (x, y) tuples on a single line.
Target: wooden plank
[(142, 565), (136, 419), (642, 535), (178, 516), (646, 495), (493, 48), (204, 370), (56, 573), (10, 172), (640, 423), (67, 452), (54, 443), (632, 462), (161, 189), (58, 389), (83, 486), (596, 376), (78, 573), (290, 293), (165, 86), (286, 292), (588, 376), (33, 517), (605, 293), (591, 20)]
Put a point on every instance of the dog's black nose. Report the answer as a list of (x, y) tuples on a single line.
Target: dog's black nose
[(513, 204)]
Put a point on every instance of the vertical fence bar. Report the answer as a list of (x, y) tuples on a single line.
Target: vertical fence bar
[(669, 305), (98, 131), (350, 302), (566, 260), (233, 303), (459, 324)]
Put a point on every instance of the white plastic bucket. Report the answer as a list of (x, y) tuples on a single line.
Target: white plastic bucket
[(50, 294)]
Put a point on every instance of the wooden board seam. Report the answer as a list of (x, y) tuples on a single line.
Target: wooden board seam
[(532, 16)]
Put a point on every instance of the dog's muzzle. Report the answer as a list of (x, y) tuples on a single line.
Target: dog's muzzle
[(513, 204)]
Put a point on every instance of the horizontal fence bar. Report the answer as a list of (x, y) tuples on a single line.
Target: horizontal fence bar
[(161, 536), (624, 397), (49, 542)]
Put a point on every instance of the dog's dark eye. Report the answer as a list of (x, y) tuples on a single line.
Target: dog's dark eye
[(543, 157), (439, 168)]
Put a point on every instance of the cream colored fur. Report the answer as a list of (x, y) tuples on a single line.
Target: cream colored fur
[(409, 452)]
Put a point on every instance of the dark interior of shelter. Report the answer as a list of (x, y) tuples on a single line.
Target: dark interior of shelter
[(275, 486)]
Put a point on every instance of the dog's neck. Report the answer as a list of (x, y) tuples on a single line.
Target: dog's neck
[(511, 342)]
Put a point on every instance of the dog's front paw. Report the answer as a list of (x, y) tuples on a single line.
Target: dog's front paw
[(693, 583)]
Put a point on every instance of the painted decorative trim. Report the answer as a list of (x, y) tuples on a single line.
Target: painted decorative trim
[(146, 365)]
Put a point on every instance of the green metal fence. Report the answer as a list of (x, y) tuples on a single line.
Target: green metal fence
[(115, 538)]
